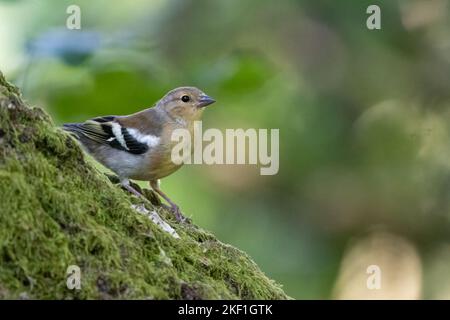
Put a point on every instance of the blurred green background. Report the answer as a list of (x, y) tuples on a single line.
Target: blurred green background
[(364, 122)]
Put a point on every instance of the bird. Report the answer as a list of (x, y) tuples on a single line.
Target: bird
[(139, 146)]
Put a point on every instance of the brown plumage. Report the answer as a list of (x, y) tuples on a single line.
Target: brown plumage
[(139, 146)]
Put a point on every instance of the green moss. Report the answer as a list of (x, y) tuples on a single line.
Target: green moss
[(57, 210)]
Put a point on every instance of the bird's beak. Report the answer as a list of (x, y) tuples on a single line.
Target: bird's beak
[(205, 101)]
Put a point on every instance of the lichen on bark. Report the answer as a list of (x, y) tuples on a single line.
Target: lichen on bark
[(57, 210)]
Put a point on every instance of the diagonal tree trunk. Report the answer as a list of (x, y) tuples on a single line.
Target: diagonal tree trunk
[(57, 211)]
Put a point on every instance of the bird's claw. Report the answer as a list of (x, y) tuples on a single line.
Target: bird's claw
[(178, 215), (176, 212)]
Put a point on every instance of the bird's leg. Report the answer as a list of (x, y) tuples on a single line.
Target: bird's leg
[(126, 184), (173, 207)]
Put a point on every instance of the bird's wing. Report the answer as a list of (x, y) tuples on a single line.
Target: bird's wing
[(109, 131)]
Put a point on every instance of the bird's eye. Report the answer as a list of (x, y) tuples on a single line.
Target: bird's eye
[(185, 98)]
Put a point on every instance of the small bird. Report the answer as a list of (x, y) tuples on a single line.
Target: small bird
[(139, 146)]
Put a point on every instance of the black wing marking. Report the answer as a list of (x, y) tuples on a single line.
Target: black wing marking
[(105, 130), (133, 145), (104, 119)]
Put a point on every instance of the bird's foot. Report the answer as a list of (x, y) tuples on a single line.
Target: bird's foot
[(175, 210), (178, 215)]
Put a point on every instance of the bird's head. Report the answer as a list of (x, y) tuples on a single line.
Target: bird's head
[(185, 103)]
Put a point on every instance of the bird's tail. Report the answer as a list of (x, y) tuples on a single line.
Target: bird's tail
[(73, 128)]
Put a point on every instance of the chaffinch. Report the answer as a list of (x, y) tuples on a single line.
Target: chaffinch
[(139, 146)]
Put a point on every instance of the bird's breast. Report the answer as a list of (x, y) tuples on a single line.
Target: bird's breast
[(159, 162)]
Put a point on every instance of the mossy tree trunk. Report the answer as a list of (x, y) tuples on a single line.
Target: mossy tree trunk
[(56, 210)]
